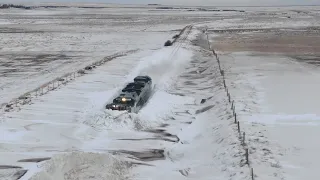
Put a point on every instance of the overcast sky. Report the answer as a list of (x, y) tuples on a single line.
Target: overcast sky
[(188, 2)]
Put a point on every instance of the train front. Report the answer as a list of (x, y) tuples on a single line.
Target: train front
[(121, 104)]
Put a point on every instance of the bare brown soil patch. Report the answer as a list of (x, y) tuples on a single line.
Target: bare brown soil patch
[(301, 44)]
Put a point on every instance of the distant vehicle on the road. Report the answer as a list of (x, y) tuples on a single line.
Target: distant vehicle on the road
[(133, 96)]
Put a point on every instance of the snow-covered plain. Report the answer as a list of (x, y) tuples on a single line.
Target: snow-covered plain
[(277, 103), (174, 136), (72, 119), (275, 91), (40, 45)]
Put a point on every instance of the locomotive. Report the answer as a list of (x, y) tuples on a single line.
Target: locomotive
[(133, 96)]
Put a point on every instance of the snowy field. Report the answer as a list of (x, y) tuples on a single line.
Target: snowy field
[(41, 44), (272, 73), (186, 130)]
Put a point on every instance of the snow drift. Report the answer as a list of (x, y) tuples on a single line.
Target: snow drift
[(82, 165), (208, 147)]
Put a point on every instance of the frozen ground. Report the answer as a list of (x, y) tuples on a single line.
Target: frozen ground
[(186, 130), (42, 44), (272, 74), (168, 133), (276, 100)]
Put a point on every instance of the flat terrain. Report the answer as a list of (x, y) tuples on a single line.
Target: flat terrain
[(290, 35), (40, 44), (269, 58), (271, 70)]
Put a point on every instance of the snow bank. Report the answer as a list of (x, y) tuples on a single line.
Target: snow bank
[(81, 165), (161, 105), (286, 119), (276, 101), (209, 147), (223, 156), (195, 32)]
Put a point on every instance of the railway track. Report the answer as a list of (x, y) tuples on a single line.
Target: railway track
[(181, 39)]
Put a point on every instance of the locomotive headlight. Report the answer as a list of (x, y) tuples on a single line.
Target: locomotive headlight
[(123, 99)]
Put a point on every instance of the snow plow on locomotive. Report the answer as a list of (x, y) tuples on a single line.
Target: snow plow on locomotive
[(133, 96)]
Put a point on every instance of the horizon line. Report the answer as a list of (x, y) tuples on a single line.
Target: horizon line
[(157, 4)]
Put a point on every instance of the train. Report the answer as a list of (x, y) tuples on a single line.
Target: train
[(133, 96)]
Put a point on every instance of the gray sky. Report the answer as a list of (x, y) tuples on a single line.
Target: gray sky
[(188, 2)]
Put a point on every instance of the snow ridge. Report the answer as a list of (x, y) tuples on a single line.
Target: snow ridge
[(82, 165), (208, 146), (257, 152)]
